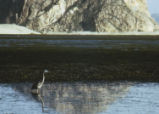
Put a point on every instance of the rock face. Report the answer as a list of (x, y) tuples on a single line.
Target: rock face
[(48, 16)]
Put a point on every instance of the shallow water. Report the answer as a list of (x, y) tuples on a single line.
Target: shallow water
[(81, 98), (80, 43)]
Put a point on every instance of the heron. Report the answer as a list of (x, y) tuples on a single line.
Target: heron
[(37, 86)]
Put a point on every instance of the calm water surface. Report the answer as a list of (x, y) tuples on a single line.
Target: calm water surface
[(81, 43), (81, 98)]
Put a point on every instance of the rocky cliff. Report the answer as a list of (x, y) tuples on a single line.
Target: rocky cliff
[(48, 16)]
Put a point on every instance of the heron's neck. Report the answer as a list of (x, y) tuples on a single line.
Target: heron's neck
[(43, 78)]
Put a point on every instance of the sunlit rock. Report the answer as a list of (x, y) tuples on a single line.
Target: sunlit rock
[(80, 15), (15, 29)]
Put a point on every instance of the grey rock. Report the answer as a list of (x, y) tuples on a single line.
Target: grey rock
[(47, 16)]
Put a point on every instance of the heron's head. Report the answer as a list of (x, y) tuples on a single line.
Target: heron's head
[(46, 71)]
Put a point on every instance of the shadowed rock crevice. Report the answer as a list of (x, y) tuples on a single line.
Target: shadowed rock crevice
[(10, 10), (88, 23)]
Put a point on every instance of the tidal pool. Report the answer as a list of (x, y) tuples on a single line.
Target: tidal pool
[(81, 98)]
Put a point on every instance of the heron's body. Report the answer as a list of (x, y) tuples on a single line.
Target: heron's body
[(36, 86)]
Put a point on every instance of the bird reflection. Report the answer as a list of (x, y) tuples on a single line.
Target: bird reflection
[(39, 98), (35, 90)]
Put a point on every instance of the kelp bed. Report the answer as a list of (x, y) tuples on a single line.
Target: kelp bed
[(123, 62)]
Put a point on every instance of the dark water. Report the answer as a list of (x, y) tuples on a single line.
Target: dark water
[(79, 59), (81, 98)]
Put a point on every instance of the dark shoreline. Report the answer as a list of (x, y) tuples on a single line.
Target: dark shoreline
[(130, 62), (22, 65), (78, 36)]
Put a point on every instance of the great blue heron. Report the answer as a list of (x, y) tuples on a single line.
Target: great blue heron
[(36, 86)]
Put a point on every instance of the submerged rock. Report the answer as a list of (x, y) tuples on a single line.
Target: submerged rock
[(49, 16)]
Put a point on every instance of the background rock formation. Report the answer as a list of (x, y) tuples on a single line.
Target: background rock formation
[(48, 16)]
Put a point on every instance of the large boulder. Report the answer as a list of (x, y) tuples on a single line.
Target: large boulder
[(49, 16)]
